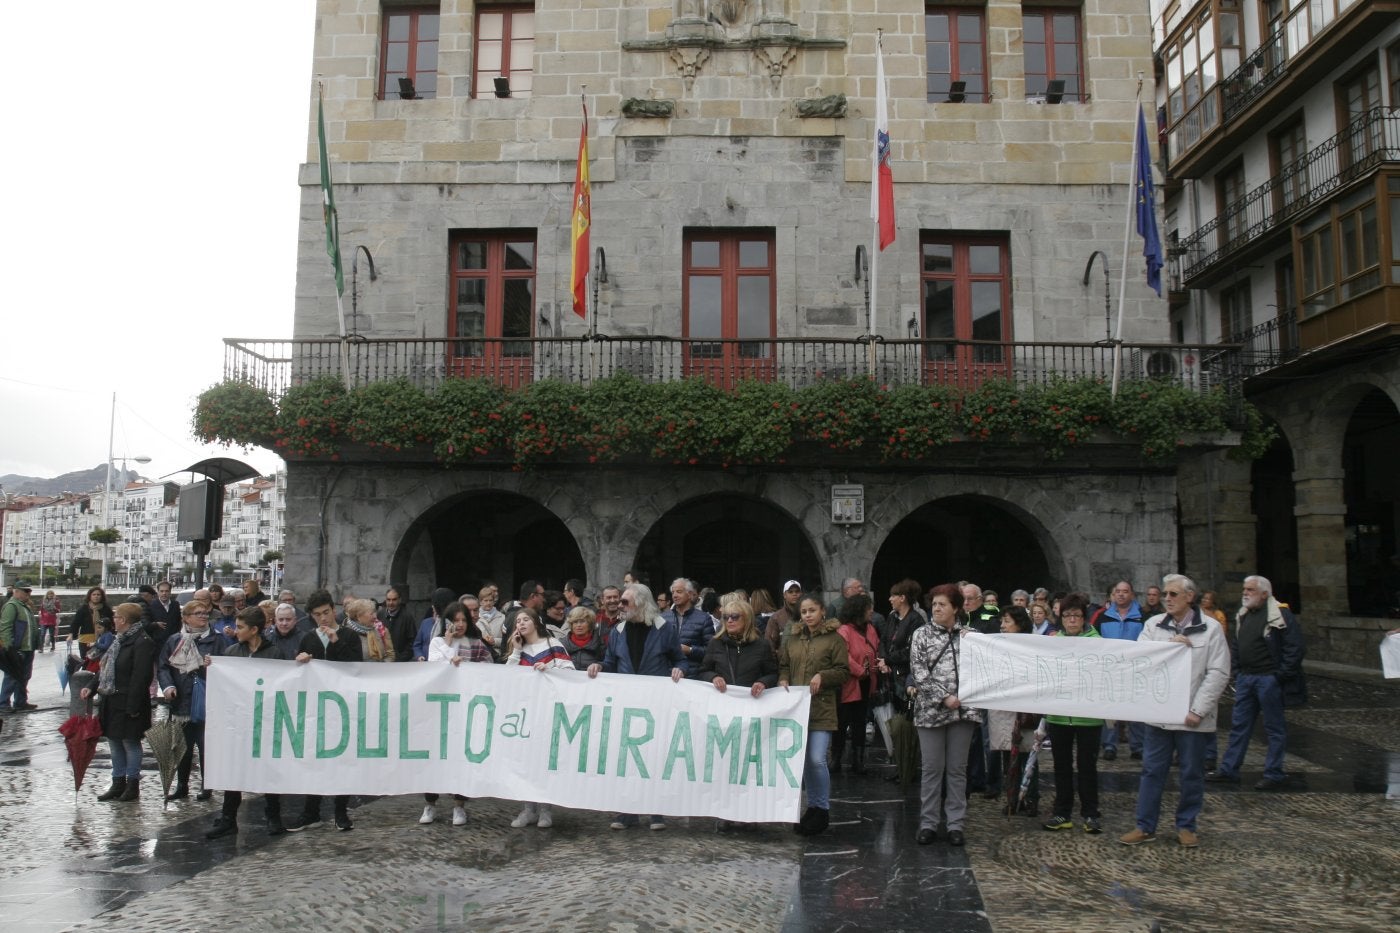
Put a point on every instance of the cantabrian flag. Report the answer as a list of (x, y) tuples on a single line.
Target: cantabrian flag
[(582, 219), (881, 178), (328, 199)]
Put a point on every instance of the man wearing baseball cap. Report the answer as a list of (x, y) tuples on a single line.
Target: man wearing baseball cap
[(18, 632), (778, 622)]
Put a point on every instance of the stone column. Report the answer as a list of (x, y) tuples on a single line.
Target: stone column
[(1322, 555), (1217, 524)]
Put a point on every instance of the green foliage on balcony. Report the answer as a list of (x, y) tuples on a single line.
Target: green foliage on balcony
[(692, 422)]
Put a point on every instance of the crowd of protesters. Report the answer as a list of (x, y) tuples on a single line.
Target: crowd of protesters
[(851, 658)]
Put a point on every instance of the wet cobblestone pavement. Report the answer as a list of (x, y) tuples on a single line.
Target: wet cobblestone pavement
[(1322, 855)]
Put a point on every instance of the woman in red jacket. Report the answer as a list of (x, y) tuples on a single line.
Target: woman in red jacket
[(865, 664)]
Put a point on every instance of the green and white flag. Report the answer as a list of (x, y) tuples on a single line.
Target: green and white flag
[(328, 199)]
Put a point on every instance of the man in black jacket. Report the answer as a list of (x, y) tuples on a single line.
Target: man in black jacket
[(329, 642), (399, 620), (1266, 655)]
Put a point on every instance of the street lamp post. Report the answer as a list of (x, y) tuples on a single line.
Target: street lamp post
[(107, 491)]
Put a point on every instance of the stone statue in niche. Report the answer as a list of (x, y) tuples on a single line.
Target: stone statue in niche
[(728, 13)]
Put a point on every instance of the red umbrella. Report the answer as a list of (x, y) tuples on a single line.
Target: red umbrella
[(80, 734)]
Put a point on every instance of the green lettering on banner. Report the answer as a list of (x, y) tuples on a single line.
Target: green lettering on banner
[(780, 754), (282, 721), (257, 722), (753, 753), (629, 743), (680, 737), (603, 738), (477, 757), (324, 700), (444, 716), (571, 731), (406, 753), (723, 742), (362, 731)]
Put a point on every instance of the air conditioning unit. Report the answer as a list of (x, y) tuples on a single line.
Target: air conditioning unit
[(1182, 365)]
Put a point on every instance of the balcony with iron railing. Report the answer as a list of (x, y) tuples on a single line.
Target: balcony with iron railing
[(1261, 218), (277, 365), (1306, 49)]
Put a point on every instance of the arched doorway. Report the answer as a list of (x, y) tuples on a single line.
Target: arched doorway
[(1372, 496), (499, 536), (962, 538), (1272, 499), (729, 541)]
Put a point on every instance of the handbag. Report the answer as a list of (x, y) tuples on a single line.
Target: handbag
[(197, 701)]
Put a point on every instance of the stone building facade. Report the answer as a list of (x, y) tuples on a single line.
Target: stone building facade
[(721, 121), (1283, 213)]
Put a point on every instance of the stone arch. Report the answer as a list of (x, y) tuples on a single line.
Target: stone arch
[(1273, 499), (992, 542), (729, 538), (471, 536), (1091, 529)]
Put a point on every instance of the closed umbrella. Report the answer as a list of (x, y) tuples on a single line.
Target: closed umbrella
[(167, 740), (80, 734), (906, 748)]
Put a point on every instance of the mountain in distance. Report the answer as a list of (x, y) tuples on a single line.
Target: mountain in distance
[(78, 481)]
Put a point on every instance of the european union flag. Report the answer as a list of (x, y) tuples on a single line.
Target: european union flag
[(1147, 209)]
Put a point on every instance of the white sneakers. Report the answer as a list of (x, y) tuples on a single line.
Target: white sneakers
[(459, 816), (429, 814), (526, 817), (546, 818)]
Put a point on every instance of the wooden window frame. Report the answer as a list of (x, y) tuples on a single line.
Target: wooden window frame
[(411, 69), (955, 70), (963, 278), (482, 84), (491, 352), (1051, 73), (731, 357)]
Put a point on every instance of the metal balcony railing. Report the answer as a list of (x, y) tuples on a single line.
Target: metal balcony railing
[(276, 365), (1269, 344), (1368, 142), (1264, 68)]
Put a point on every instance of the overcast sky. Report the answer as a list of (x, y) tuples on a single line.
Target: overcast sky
[(150, 169)]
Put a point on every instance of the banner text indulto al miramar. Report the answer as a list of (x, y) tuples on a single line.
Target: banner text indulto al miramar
[(617, 743)]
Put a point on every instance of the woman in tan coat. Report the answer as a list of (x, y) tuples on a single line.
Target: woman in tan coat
[(815, 654)]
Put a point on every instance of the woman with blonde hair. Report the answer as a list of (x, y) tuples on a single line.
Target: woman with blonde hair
[(375, 641), (737, 656)]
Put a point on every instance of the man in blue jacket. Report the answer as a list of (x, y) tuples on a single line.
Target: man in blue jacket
[(1122, 619), (641, 643), (1266, 658), (695, 625)]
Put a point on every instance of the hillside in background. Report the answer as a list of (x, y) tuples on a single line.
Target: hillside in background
[(77, 481)]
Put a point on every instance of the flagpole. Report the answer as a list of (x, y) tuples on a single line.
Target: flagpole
[(1127, 238), (332, 231), (875, 221)]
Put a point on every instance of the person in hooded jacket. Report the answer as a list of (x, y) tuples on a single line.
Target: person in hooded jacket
[(814, 655), (864, 661), (180, 672)]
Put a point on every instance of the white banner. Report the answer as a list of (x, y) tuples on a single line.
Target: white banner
[(1097, 678), (618, 743)]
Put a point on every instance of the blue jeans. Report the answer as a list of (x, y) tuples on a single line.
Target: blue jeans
[(1110, 736), (1158, 745), (18, 688), (1255, 695), (126, 758), (816, 778)]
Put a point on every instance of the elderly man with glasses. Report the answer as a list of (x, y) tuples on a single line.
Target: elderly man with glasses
[(641, 643), (1184, 624)]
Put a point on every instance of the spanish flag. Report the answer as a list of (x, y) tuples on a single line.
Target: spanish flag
[(582, 218)]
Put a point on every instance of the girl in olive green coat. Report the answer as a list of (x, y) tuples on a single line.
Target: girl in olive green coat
[(814, 654)]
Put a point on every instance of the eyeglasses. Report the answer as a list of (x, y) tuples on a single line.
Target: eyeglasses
[(200, 614), (1071, 615), (625, 602), (1174, 593), (733, 617)]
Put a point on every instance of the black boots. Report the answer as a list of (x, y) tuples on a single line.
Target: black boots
[(132, 791), (182, 786), (116, 790), (858, 759), (814, 821), (223, 826)]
